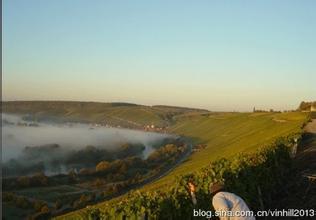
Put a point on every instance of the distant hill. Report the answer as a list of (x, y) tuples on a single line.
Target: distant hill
[(178, 108), (114, 114)]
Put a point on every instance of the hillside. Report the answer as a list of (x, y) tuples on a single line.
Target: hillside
[(215, 135), (112, 114), (224, 135)]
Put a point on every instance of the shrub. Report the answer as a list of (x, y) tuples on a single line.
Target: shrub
[(248, 175), (102, 166)]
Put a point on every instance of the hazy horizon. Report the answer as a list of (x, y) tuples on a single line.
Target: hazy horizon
[(295, 107), (215, 55)]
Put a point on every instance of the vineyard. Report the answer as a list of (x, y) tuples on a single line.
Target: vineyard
[(245, 150), (248, 175)]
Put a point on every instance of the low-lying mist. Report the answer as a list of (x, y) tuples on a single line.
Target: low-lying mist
[(26, 143)]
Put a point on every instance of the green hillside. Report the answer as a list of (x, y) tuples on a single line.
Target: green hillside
[(113, 114), (219, 134), (224, 135)]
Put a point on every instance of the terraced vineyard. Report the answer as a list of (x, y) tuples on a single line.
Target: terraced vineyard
[(221, 135), (226, 134), (214, 135)]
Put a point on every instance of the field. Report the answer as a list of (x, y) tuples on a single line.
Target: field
[(219, 134), (225, 135), (113, 114)]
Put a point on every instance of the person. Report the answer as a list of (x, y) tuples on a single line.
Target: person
[(192, 192), (229, 205)]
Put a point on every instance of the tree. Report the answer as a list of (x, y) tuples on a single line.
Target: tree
[(45, 209), (85, 171), (102, 166), (72, 176), (58, 204), (39, 179), (24, 181), (99, 182), (38, 205), (23, 203), (305, 106)]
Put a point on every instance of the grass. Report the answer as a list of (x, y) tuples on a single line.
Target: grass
[(123, 114), (49, 194), (15, 213), (225, 135)]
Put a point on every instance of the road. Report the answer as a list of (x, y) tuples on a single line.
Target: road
[(154, 178)]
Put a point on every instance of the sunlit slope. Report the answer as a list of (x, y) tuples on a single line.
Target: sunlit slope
[(226, 134), (114, 114)]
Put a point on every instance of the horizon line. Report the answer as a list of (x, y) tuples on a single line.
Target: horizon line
[(155, 105)]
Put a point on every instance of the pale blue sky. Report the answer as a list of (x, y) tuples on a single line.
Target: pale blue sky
[(219, 55)]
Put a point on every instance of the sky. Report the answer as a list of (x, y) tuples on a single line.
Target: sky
[(219, 55)]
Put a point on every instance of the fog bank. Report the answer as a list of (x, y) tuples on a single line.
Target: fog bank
[(17, 134)]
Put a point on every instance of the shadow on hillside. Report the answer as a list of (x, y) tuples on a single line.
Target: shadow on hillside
[(305, 160), (301, 186)]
